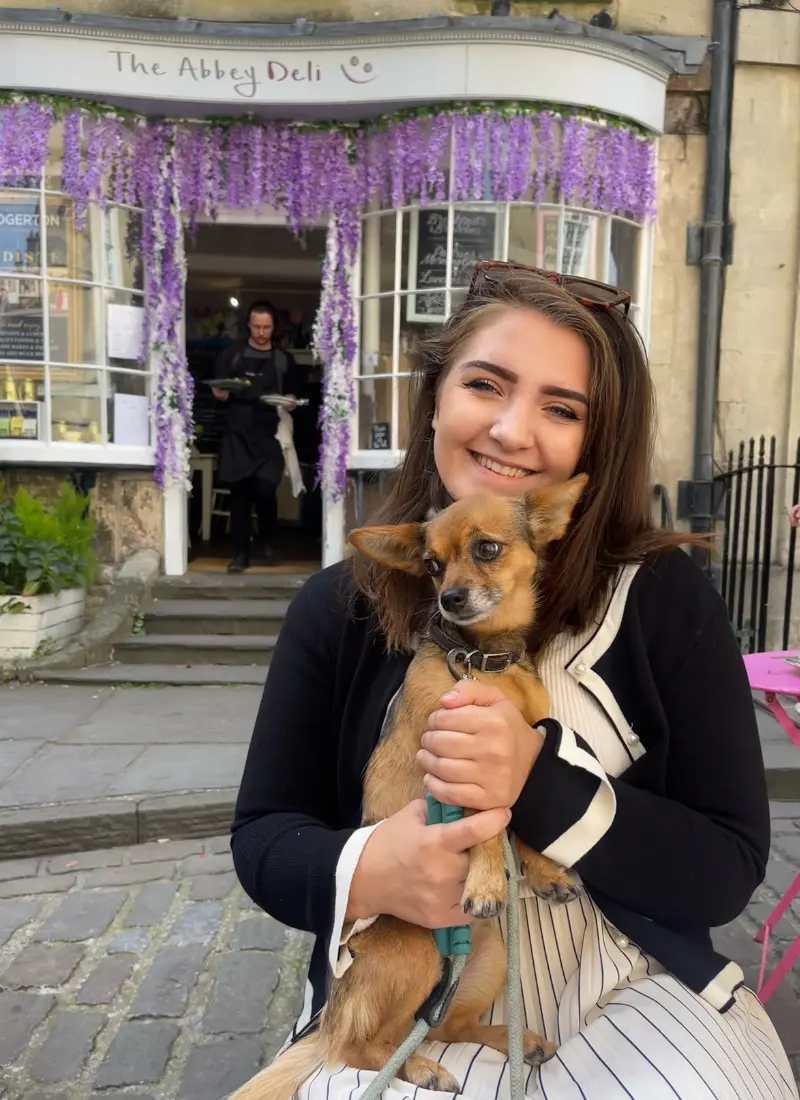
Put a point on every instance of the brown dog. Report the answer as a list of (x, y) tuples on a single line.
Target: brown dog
[(482, 555)]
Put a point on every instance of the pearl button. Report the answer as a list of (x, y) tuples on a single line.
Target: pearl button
[(581, 669), (622, 941), (632, 738)]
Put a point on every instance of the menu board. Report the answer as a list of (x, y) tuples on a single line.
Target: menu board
[(475, 234)]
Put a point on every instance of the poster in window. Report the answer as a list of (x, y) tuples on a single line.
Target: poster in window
[(21, 320), (21, 235), (475, 237)]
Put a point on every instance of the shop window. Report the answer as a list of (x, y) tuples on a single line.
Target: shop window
[(71, 310), (624, 257), (415, 267), (123, 231), (75, 405)]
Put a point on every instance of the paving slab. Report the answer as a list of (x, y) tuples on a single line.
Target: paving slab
[(46, 711), (161, 769), (15, 753), (204, 715), (68, 773), (110, 766)]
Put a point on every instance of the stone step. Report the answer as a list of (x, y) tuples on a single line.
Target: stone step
[(213, 616), (221, 586), (118, 674), (191, 649)]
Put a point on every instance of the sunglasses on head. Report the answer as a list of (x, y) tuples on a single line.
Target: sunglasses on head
[(587, 292)]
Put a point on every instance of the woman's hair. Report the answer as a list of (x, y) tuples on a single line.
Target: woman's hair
[(612, 523)]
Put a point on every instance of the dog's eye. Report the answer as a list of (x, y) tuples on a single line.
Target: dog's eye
[(433, 566), (487, 551)]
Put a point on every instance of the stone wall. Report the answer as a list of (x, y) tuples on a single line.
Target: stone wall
[(689, 17), (126, 506)]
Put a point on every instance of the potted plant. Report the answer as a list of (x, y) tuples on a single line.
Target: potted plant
[(46, 565)]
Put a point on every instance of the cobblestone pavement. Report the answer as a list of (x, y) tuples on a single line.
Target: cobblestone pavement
[(142, 972), (145, 972)]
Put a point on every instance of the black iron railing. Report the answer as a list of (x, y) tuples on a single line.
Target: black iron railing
[(752, 539)]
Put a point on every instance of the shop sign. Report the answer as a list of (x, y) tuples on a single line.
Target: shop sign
[(370, 71)]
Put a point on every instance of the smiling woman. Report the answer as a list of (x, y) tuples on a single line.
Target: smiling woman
[(643, 782)]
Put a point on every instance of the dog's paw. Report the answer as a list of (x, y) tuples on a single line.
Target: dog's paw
[(427, 1074), (559, 890), (485, 899), (536, 1049)]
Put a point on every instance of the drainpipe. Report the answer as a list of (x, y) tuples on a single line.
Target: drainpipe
[(709, 245)]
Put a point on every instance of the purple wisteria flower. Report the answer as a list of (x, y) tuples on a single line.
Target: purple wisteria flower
[(178, 172)]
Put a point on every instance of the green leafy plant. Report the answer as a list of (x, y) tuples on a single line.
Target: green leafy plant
[(67, 523), (43, 551)]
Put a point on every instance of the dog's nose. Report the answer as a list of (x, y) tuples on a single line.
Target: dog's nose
[(454, 599)]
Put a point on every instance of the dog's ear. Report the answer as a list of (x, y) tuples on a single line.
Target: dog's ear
[(550, 509), (399, 546)]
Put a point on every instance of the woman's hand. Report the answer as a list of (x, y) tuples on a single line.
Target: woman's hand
[(794, 516), (478, 750), (221, 395), (416, 871)]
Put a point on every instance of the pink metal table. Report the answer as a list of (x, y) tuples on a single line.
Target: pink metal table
[(770, 673)]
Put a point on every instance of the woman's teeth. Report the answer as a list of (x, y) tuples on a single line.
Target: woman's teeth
[(497, 468)]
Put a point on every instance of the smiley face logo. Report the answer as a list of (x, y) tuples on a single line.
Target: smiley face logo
[(357, 73)]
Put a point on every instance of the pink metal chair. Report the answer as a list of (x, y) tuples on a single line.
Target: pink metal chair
[(774, 675)]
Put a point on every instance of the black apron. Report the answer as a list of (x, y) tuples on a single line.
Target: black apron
[(248, 447)]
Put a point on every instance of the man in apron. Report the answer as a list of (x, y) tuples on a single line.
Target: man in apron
[(251, 460)]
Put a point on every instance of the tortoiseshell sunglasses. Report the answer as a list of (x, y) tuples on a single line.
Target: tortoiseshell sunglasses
[(586, 292)]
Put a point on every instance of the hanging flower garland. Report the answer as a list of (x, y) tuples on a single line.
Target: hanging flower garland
[(181, 170)]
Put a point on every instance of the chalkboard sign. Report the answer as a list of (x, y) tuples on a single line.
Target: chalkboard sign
[(380, 436), (22, 336), (475, 234)]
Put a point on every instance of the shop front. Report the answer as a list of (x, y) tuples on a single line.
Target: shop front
[(153, 181)]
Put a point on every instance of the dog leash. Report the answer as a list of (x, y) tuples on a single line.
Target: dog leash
[(454, 945)]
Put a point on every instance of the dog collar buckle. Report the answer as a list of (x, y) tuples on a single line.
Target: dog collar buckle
[(477, 659)]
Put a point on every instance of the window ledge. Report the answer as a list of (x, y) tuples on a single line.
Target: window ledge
[(23, 452), (373, 460)]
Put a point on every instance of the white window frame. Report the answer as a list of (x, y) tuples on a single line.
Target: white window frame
[(47, 451), (367, 459)]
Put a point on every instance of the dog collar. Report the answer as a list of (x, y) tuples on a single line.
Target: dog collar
[(460, 653)]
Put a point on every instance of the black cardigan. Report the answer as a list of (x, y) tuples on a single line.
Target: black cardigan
[(683, 849)]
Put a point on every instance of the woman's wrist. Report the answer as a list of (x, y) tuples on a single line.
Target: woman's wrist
[(361, 898)]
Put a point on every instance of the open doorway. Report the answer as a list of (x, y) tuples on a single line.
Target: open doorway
[(229, 268)]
